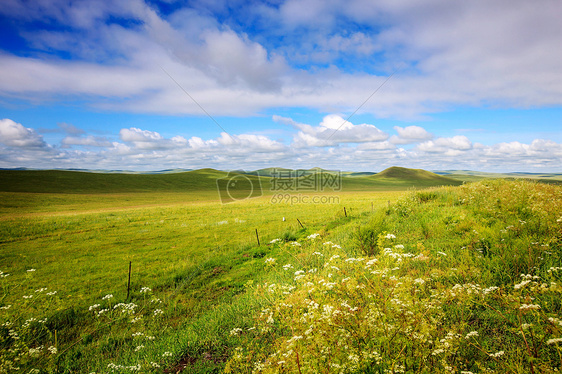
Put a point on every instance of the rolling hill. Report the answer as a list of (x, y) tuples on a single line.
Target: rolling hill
[(413, 177), (64, 181)]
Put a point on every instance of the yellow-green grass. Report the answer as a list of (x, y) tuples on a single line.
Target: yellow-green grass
[(195, 253), (201, 259), (449, 280)]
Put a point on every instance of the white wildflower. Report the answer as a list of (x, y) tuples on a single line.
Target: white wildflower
[(497, 354), (157, 312), (529, 306), (522, 284), (92, 307), (334, 257)]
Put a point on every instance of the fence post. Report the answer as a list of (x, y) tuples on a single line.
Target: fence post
[(129, 281)]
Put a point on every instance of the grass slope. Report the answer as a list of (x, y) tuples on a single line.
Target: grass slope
[(444, 293), (59, 181), (412, 177), (474, 176)]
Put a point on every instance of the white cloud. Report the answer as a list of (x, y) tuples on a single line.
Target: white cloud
[(90, 140), (141, 149), (136, 135), (504, 53), (453, 146), (332, 56), (16, 135), (410, 134), (151, 140), (334, 130)]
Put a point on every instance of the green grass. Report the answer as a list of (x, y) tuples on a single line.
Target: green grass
[(203, 180), (206, 274), (59, 181), (456, 279), (398, 176)]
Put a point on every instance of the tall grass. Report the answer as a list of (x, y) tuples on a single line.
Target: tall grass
[(447, 280), (466, 280)]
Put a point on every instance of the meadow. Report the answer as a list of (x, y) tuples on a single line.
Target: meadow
[(403, 280)]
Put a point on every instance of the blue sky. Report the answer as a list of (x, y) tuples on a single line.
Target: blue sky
[(436, 84)]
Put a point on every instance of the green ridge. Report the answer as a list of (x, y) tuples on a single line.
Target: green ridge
[(399, 176), (64, 181)]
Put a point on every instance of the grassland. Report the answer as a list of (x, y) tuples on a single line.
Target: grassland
[(197, 291)]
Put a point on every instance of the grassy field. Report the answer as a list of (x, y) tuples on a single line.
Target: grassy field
[(200, 283)]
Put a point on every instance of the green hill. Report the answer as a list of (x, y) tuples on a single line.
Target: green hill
[(63, 181), (278, 172), (399, 176)]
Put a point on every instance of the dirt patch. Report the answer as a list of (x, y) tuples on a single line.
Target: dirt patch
[(188, 362)]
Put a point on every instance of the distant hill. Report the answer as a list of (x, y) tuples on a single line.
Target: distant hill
[(474, 176), (394, 178), (415, 177), (276, 172), (63, 181)]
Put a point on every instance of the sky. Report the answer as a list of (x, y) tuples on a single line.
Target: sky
[(351, 85)]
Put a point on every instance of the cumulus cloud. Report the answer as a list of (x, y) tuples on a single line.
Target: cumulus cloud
[(410, 134), (145, 139), (453, 146), (327, 56), (333, 130), (141, 149), (16, 135), (467, 53)]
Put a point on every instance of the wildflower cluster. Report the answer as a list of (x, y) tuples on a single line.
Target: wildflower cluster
[(377, 314), (32, 343)]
